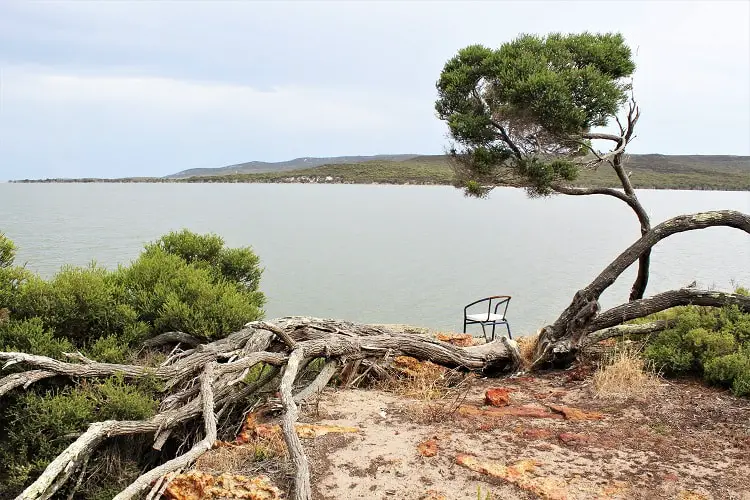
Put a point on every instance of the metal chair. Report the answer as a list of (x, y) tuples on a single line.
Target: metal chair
[(490, 317)]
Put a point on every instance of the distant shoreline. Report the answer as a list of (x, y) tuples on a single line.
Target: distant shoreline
[(334, 182), (684, 172)]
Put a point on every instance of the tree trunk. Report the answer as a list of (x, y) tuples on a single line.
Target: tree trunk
[(560, 341)]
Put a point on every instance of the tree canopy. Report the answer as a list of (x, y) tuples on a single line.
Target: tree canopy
[(527, 108)]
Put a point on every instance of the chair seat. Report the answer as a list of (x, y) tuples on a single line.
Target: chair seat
[(486, 318)]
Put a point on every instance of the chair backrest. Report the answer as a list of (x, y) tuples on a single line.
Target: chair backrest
[(500, 300)]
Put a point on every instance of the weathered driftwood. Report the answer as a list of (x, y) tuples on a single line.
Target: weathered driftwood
[(217, 368)]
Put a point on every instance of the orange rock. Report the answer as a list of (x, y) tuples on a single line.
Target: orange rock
[(498, 396), (519, 474), (315, 430), (536, 433), (508, 411), (251, 430), (428, 448), (457, 339), (576, 414), (433, 495), (571, 438), (197, 485)]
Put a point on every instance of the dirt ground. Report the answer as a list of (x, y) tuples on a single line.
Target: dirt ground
[(686, 441)]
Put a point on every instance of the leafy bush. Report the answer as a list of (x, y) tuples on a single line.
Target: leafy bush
[(711, 342), (31, 335), (183, 281)]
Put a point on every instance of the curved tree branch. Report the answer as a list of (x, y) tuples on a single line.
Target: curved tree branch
[(171, 337), (623, 330), (574, 320), (660, 302)]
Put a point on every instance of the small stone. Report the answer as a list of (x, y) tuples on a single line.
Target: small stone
[(428, 448), (536, 433), (498, 396), (576, 414), (571, 438)]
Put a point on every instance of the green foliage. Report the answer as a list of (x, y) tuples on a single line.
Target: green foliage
[(79, 303), (712, 342), (238, 265), (649, 171), (183, 281), (172, 294), (528, 102), (31, 336), (41, 425), (7, 251)]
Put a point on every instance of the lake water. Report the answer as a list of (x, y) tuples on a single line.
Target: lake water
[(385, 254)]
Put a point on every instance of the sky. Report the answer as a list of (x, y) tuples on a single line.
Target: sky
[(114, 89)]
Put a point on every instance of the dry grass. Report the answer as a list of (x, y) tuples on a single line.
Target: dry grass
[(527, 347), (421, 380), (263, 453), (440, 391), (624, 373)]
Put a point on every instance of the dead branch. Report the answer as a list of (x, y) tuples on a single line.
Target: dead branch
[(170, 338), (302, 489), (207, 399), (624, 331), (24, 379)]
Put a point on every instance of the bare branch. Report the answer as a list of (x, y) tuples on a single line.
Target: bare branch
[(279, 332), (302, 490), (170, 337), (207, 398), (684, 296), (624, 330), (24, 379)]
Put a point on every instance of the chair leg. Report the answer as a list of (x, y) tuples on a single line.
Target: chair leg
[(484, 332), (493, 331), (507, 325), (464, 325)]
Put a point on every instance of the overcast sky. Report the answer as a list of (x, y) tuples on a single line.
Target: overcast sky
[(112, 89)]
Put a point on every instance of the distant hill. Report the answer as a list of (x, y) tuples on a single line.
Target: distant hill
[(258, 167), (649, 171)]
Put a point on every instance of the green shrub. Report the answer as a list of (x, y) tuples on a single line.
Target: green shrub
[(183, 281), (31, 336), (172, 294), (7, 251), (236, 265), (711, 342), (731, 370)]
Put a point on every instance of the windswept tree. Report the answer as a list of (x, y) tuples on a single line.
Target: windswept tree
[(527, 114), (524, 114)]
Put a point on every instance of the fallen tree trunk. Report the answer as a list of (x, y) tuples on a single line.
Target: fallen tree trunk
[(208, 379)]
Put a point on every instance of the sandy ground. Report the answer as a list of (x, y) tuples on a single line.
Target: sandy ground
[(686, 441)]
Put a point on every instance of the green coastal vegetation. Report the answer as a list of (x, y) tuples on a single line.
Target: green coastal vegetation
[(647, 172), (726, 173), (713, 343), (182, 282)]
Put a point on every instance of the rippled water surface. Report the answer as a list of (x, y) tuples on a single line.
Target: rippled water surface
[(390, 254)]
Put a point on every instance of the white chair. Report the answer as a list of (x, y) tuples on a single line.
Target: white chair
[(489, 317)]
